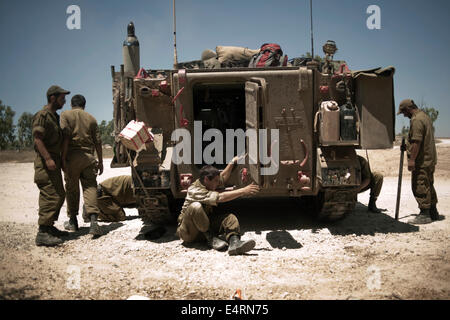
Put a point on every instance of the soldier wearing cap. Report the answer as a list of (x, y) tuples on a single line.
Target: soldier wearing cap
[(422, 159), (81, 141), (48, 138), (370, 180)]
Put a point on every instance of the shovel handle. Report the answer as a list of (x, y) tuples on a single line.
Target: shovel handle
[(400, 175)]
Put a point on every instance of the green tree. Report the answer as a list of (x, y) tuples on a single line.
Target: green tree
[(24, 130), (7, 137), (432, 113), (106, 130), (405, 131)]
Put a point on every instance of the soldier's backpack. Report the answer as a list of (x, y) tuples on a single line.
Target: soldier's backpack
[(270, 55)]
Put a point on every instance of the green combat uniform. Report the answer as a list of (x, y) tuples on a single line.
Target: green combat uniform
[(49, 182), (376, 179), (81, 165), (197, 215), (113, 195), (422, 179)]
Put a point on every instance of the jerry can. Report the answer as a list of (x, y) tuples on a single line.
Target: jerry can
[(348, 120), (329, 121)]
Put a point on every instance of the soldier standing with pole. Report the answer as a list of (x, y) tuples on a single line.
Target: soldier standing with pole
[(422, 159)]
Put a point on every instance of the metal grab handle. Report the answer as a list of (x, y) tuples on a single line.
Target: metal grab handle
[(305, 150), (177, 95), (183, 122), (316, 120), (302, 164)]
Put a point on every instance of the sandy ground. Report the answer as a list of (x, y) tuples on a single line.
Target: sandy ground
[(364, 256)]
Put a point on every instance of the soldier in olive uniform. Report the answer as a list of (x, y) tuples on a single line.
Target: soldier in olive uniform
[(422, 159), (113, 195), (48, 138), (81, 140), (370, 180), (198, 220)]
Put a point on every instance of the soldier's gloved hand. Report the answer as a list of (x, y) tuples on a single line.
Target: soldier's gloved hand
[(50, 164), (403, 147)]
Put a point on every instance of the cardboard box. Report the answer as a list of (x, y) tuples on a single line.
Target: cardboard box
[(135, 135)]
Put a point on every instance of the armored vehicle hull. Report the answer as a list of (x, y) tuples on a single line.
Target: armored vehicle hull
[(283, 121)]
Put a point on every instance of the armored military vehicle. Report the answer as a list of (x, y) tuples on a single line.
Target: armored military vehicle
[(309, 119)]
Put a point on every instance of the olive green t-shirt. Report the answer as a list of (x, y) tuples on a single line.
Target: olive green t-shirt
[(81, 128), (197, 192), (421, 130), (46, 123)]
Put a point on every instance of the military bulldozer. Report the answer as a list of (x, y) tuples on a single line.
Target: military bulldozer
[(308, 120)]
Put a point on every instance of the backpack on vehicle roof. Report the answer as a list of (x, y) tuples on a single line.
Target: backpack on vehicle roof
[(270, 55)]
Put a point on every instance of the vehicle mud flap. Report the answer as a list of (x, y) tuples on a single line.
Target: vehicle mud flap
[(332, 204), (155, 209)]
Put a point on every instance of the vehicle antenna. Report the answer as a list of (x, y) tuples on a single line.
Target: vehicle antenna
[(312, 37), (175, 59)]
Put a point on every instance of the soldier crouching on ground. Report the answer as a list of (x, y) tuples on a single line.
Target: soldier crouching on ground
[(370, 180), (113, 195), (198, 219), (48, 138), (81, 140)]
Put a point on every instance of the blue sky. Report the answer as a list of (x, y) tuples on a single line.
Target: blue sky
[(38, 50)]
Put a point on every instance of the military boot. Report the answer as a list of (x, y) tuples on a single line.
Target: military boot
[(56, 232), (85, 215), (434, 214), (45, 238), (422, 218), (94, 228), (214, 242), (237, 246), (72, 224), (152, 231), (373, 206)]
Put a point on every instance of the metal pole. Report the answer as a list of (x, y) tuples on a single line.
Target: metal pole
[(400, 174), (122, 124), (312, 37), (175, 58)]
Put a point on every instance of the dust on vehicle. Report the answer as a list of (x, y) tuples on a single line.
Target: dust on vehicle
[(312, 115)]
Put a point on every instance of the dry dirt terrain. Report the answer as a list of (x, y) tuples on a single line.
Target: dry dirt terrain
[(364, 256)]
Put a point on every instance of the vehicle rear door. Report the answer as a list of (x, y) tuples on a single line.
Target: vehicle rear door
[(252, 114)]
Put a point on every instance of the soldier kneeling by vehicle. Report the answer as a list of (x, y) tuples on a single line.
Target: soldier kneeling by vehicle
[(115, 194), (199, 220), (370, 180)]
